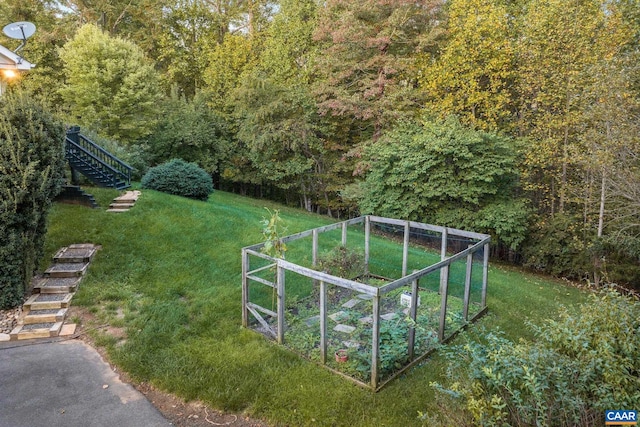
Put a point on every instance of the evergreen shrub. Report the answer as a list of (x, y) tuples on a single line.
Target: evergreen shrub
[(179, 178), (31, 174)]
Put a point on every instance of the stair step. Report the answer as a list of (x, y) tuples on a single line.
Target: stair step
[(122, 205), (128, 197), (51, 315), (79, 253), (57, 285), (47, 301), (35, 330), (117, 210), (67, 269)]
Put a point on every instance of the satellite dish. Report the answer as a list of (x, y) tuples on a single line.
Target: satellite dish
[(19, 30)]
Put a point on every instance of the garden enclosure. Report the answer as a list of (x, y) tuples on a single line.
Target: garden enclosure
[(382, 291)]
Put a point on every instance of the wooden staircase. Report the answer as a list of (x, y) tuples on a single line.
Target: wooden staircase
[(44, 313), (94, 162)]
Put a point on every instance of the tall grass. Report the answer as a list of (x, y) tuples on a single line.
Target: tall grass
[(172, 265)]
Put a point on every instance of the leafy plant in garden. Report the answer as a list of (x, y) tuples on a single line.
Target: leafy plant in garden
[(342, 261), (273, 230), (578, 367)]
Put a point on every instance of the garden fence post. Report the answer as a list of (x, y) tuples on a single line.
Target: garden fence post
[(245, 288), (413, 312), (405, 249), (375, 342), (485, 275), (443, 255), (467, 286), (344, 234), (323, 322), (367, 237), (444, 273), (280, 290), (314, 249)]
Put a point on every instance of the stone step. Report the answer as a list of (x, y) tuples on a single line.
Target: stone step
[(67, 269), (52, 315), (57, 285), (35, 330), (79, 253), (117, 210), (47, 301)]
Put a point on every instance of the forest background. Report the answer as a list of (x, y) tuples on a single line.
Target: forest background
[(517, 118)]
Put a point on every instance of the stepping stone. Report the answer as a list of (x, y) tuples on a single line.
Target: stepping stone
[(351, 303), (351, 344), (313, 320), (344, 328), (66, 269), (336, 317), (117, 210), (389, 316), (365, 297), (366, 320)]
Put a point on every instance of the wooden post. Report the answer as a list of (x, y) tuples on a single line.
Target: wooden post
[(443, 255), (245, 288), (405, 249), (485, 275), (375, 342), (367, 238), (280, 289), (444, 273), (344, 234), (413, 313), (467, 286), (323, 322), (314, 250)]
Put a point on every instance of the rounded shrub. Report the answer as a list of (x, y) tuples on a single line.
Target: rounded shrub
[(180, 178)]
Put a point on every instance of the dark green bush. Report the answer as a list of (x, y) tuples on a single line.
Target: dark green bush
[(180, 178), (31, 173)]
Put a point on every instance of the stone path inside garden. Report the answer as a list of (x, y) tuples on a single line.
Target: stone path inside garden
[(124, 202), (44, 313)]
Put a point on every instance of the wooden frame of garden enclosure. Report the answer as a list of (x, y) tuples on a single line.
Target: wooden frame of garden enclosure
[(422, 270)]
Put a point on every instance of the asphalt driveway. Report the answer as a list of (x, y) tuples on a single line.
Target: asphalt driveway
[(67, 383)]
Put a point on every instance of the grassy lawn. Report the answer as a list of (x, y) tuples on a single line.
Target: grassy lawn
[(172, 267)]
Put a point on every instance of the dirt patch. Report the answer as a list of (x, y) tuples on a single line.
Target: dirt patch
[(173, 408)]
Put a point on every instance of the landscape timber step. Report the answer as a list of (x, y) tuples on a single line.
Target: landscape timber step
[(57, 285), (123, 205), (47, 301), (78, 253), (35, 330), (51, 315), (66, 269), (128, 197)]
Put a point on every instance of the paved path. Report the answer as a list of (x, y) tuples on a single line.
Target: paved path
[(63, 384)]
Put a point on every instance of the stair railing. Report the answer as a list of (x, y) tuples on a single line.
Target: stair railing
[(82, 148)]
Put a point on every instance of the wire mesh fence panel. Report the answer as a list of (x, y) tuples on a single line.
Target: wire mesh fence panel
[(322, 301)]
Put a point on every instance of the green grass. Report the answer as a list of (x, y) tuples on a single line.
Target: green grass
[(172, 266)]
